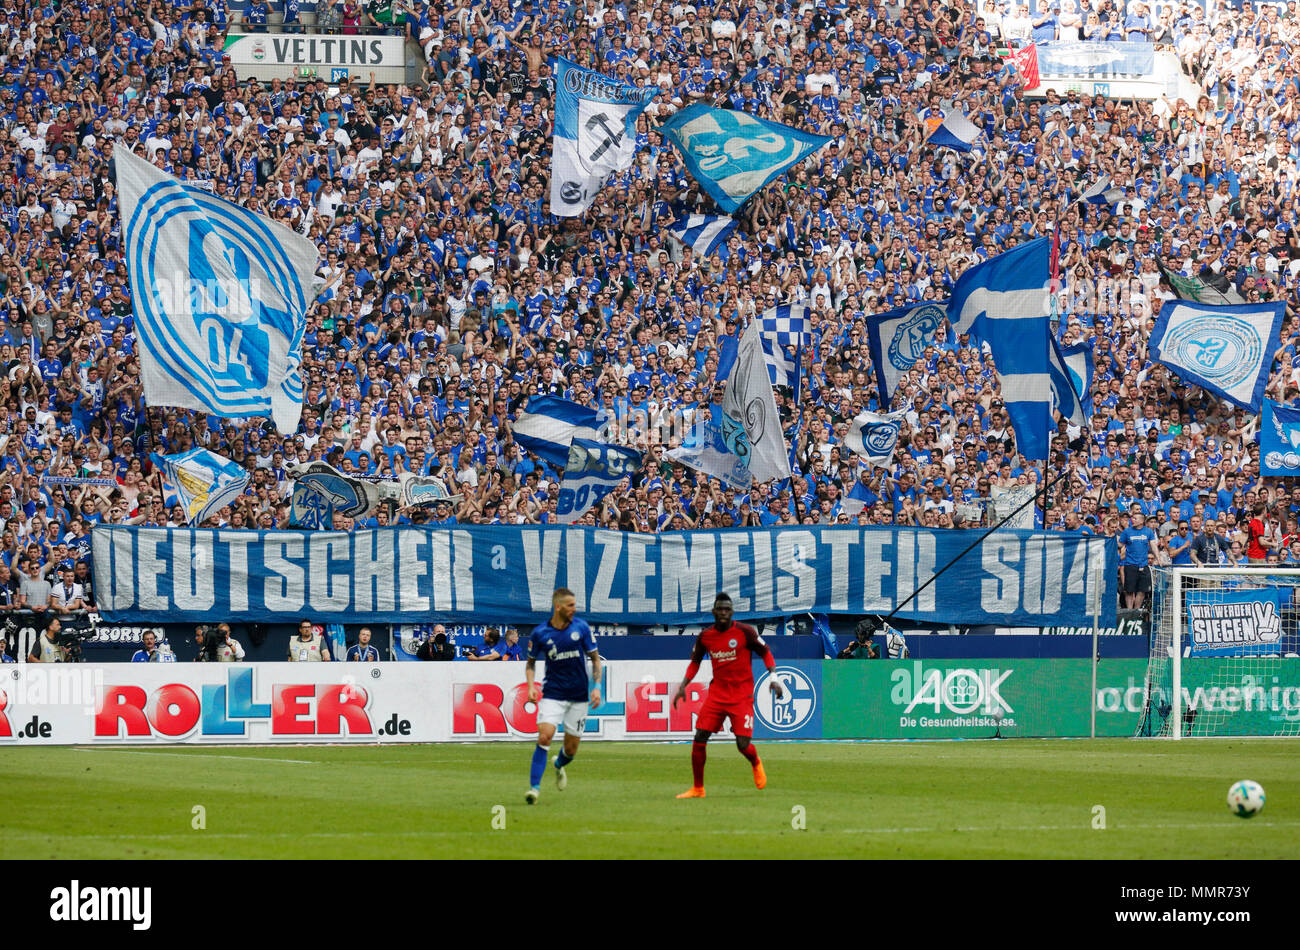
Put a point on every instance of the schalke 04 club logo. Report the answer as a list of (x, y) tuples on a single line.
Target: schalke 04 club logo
[(913, 334), (879, 437), (1225, 350)]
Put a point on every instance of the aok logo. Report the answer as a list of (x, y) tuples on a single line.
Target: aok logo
[(174, 711), (960, 691)]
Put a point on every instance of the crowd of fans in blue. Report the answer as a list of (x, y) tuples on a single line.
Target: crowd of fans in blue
[(450, 294)]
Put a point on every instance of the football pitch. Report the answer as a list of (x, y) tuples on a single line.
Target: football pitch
[(973, 799)]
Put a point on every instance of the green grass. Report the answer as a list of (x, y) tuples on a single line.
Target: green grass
[(1012, 799)]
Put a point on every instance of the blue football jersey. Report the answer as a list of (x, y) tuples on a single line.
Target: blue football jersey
[(565, 652)]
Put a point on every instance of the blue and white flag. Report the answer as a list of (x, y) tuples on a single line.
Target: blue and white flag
[(220, 297), (751, 426), (955, 132), (859, 497), (421, 491), (702, 233), (1279, 440), (595, 133), (1226, 350), (1069, 389), (733, 154), (1005, 303), (202, 482), (594, 470), (310, 509), (782, 369), (549, 424), (784, 327), (346, 494), (875, 437), (897, 338), (1079, 369), (1101, 192)]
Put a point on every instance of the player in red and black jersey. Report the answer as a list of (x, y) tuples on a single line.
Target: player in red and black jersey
[(729, 647)]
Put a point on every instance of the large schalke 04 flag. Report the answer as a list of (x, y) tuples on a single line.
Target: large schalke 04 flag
[(595, 133), (897, 338), (1226, 350), (203, 482), (1004, 302), (733, 154), (594, 470), (549, 424), (220, 297), (1279, 440)]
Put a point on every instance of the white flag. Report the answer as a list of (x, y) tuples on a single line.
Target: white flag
[(751, 425), (875, 436)]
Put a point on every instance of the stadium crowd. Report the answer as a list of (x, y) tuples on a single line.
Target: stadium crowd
[(450, 294)]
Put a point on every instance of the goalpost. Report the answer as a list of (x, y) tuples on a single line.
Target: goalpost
[(1225, 653)]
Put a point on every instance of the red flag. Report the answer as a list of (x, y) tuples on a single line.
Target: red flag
[(1027, 63)]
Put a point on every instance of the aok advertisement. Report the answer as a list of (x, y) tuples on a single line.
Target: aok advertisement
[(296, 703)]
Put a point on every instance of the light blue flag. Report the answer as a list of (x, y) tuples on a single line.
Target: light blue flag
[(875, 436), (1227, 350), (1279, 440), (1004, 303), (220, 297), (1101, 192), (549, 424), (345, 494), (595, 133), (1067, 385), (310, 509), (955, 132), (733, 154), (594, 470), (702, 233), (897, 338), (202, 481)]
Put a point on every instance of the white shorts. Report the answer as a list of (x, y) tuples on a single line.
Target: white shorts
[(558, 711)]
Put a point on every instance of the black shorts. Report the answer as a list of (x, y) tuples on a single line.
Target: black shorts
[(1137, 580)]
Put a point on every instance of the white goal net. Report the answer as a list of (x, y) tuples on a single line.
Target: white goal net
[(1225, 653)]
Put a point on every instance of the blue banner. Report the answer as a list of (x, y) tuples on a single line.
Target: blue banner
[(798, 713), (1226, 350), (1234, 623), (1279, 440), (733, 154), (507, 574), (1074, 60)]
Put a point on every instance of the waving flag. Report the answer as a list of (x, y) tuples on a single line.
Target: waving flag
[(702, 233), (345, 494), (1067, 391), (875, 436), (1004, 302), (1101, 192), (1209, 287), (897, 338), (202, 482), (310, 509), (779, 329), (1279, 440), (705, 450), (1226, 350), (955, 132), (751, 425), (1027, 62), (549, 424), (733, 154), (860, 496), (595, 133), (593, 471), (220, 298)]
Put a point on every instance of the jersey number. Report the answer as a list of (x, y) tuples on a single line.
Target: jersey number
[(749, 722)]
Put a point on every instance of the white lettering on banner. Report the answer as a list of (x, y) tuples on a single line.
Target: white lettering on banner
[(924, 570), (1041, 596), (905, 544), (237, 543), (192, 585), (462, 569), (284, 589), (576, 550), (796, 588), (330, 592), (119, 553), (1001, 592), (690, 568), (541, 559), (734, 567), (602, 599), (639, 571), (372, 570), (763, 579), (839, 543), (150, 567), (440, 568), (875, 568), (412, 570)]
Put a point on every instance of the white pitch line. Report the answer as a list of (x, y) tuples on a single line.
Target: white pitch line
[(186, 755)]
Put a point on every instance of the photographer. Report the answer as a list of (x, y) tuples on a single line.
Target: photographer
[(308, 647), (216, 645), (863, 646), (436, 647), (47, 649)]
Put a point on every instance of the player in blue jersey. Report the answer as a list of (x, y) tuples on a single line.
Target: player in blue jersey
[(565, 643)]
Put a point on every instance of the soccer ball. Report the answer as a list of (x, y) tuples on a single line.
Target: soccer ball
[(1246, 799)]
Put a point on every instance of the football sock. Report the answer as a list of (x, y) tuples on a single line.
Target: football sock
[(563, 759), (538, 768), (698, 751), (750, 753)]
